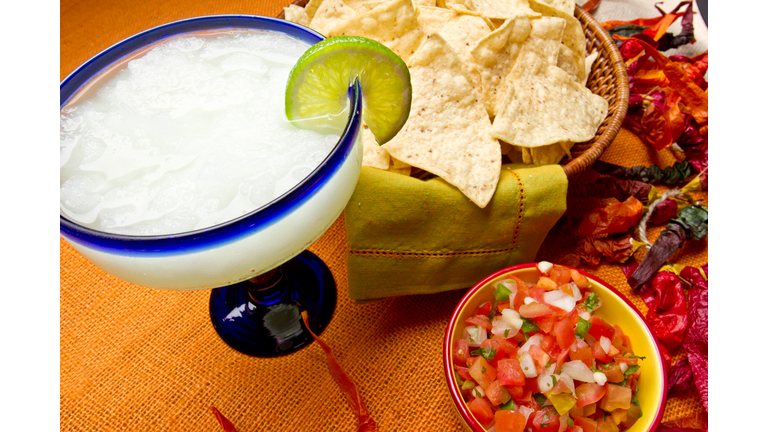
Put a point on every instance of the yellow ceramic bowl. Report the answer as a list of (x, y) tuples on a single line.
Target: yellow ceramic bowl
[(616, 309)]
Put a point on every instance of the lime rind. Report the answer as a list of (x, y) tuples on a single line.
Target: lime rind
[(317, 85)]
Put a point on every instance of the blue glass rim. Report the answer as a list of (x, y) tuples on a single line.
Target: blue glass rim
[(234, 229)]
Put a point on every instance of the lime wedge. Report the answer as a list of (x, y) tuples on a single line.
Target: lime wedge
[(318, 84)]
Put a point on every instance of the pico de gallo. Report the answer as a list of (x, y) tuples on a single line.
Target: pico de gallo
[(537, 358)]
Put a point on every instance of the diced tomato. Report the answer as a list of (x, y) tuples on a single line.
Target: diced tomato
[(470, 360), (509, 421), (460, 350), (561, 358), (606, 426), (501, 306), (583, 354), (545, 323), (497, 394), (560, 275), (480, 320), (599, 354), (567, 289), (546, 283), (618, 339), (587, 424), (574, 429), (503, 348), (564, 333), (481, 409), (484, 308), (579, 279), (588, 393), (519, 299), (537, 294), (510, 373), (616, 397), (547, 343), (535, 310), (529, 389), (631, 361), (618, 415), (546, 420), (516, 391), (540, 358), (613, 372), (482, 372), (590, 409), (521, 285), (600, 328), (633, 413), (463, 372)]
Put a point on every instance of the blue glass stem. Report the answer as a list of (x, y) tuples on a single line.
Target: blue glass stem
[(262, 317)]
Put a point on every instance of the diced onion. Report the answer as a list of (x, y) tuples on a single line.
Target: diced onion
[(528, 366), (529, 300), (563, 423), (475, 335), (478, 391), (600, 378), (526, 411), (545, 379), (545, 267), (566, 378), (586, 315), (623, 366), (512, 287), (503, 329), (576, 291), (560, 299), (578, 371), (605, 344), (512, 318), (533, 340)]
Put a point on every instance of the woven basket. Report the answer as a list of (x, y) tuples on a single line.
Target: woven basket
[(608, 79)]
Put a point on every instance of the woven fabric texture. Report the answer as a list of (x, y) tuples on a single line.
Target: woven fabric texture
[(136, 359)]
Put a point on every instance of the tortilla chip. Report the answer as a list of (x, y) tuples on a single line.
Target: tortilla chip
[(567, 62), (588, 63), (329, 14), (373, 154), (399, 167), (394, 24), (545, 155), (544, 106), (573, 35), (311, 8), (418, 3), (545, 37), (567, 6), (447, 130), (363, 6), (502, 9), (432, 19), (296, 14), (494, 56)]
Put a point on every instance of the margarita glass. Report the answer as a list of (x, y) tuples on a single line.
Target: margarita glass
[(257, 265)]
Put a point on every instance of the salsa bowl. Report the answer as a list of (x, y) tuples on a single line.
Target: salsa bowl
[(615, 310)]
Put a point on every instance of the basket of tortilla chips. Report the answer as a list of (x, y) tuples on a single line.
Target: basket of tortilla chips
[(511, 98)]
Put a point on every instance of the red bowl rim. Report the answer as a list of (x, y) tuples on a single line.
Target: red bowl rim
[(458, 401)]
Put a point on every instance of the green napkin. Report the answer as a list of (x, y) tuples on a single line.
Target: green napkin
[(409, 236)]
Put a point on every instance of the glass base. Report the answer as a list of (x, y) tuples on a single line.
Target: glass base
[(262, 318)]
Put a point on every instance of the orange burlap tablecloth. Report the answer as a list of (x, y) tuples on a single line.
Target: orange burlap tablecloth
[(137, 359)]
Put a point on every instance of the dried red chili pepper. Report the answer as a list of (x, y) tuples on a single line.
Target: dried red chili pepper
[(680, 377), (663, 212), (223, 421), (614, 218), (364, 421), (605, 187), (696, 342), (668, 316), (591, 249)]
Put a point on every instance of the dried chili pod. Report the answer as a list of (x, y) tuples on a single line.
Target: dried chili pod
[(653, 174), (696, 342), (691, 224), (680, 377), (605, 187)]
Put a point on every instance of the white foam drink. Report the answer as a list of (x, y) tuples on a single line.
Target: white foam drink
[(187, 134)]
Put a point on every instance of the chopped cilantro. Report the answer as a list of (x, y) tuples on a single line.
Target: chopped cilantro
[(569, 420), (488, 353), (636, 402), (508, 406), (591, 302), (502, 293), (582, 327), (529, 326), (459, 381), (492, 312), (506, 333), (554, 380), (637, 357), (483, 370), (631, 369), (549, 363), (540, 398)]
